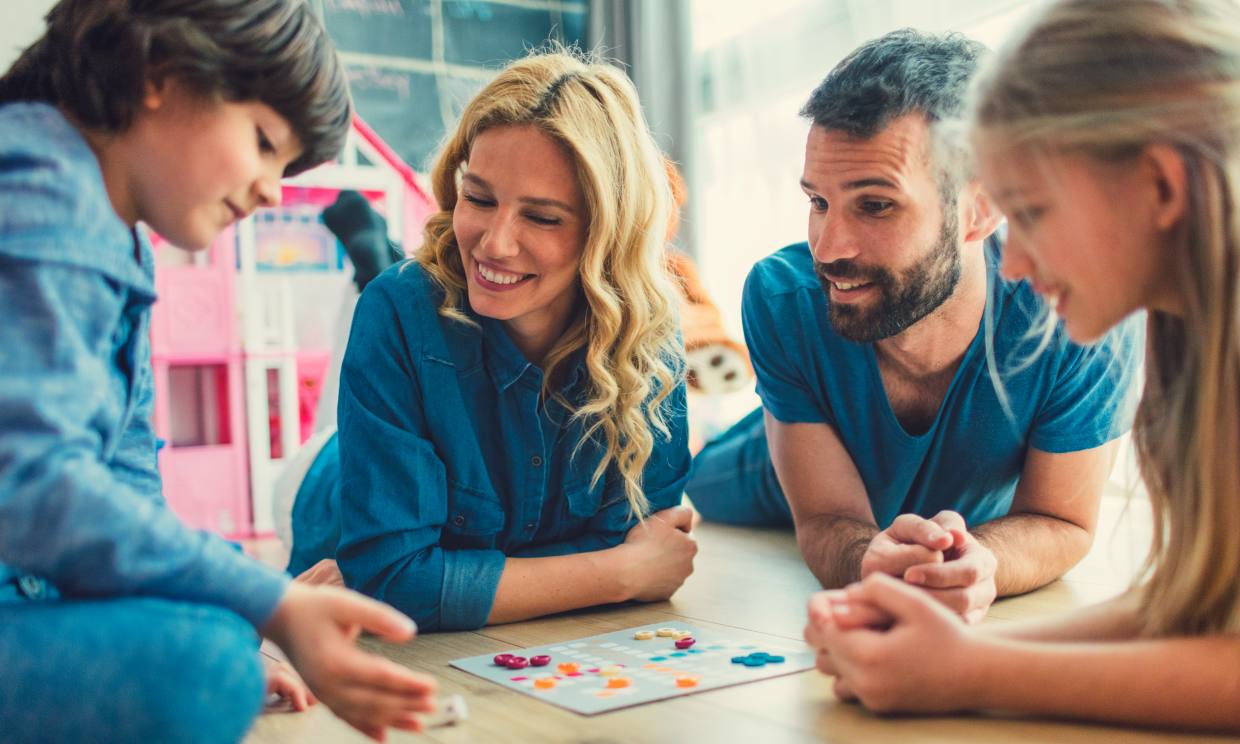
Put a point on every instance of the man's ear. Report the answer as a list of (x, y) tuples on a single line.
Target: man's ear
[(1163, 167), (978, 215)]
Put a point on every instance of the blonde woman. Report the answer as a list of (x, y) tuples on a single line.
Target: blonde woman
[(1109, 133), (512, 400)]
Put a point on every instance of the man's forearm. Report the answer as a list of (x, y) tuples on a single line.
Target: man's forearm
[(1032, 549), (833, 547)]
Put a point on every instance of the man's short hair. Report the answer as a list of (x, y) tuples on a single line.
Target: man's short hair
[(904, 72)]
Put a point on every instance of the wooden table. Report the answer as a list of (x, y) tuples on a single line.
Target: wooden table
[(754, 580)]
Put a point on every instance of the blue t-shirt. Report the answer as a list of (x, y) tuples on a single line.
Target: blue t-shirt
[(1064, 399), (449, 462), (81, 506)]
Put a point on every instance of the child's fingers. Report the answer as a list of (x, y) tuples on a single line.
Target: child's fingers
[(843, 691), (893, 596), (849, 615), (368, 670), (375, 617)]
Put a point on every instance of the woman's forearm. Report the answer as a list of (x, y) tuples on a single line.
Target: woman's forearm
[(531, 587)]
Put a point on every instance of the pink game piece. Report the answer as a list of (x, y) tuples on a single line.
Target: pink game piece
[(502, 659), (518, 679), (540, 660), (517, 662), (593, 671), (684, 643)]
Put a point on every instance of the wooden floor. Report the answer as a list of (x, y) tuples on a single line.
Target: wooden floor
[(752, 580)]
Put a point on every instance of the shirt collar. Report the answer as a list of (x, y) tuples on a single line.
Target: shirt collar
[(507, 365)]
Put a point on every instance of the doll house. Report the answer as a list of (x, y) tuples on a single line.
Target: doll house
[(242, 336)]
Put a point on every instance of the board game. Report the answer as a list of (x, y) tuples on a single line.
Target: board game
[(638, 665)]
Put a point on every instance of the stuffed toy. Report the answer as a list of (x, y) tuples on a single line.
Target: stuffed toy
[(717, 363)]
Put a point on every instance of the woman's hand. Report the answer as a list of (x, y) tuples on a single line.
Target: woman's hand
[(659, 554), (317, 628), (323, 573)]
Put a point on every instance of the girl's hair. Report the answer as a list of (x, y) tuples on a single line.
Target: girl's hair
[(96, 57), (1106, 78), (625, 321)]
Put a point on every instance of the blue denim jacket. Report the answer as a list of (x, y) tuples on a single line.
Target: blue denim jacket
[(80, 500), (449, 462)]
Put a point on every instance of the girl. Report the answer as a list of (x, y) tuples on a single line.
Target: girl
[(512, 402), (1109, 132), (183, 114)]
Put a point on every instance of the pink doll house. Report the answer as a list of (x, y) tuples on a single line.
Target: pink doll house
[(242, 337)]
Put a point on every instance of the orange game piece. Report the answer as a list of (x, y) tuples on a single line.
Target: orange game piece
[(545, 683), (614, 682), (686, 681), (569, 667)]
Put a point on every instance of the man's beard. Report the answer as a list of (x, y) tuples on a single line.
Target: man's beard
[(901, 303)]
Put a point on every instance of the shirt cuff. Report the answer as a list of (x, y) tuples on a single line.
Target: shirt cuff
[(244, 585), (470, 578)]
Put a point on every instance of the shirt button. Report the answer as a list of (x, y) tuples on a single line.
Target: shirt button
[(31, 586), (459, 520), (536, 461), (529, 527)]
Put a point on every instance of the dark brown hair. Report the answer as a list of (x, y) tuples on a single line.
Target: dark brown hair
[(96, 56)]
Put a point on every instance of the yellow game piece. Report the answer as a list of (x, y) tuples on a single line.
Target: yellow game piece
[(686, 681), (544, 683), (682, 634), (666, 632), (615, 682), (644, 635), (569, 667), (609, 671)]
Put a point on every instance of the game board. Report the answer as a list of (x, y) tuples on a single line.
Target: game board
[(615, 670)]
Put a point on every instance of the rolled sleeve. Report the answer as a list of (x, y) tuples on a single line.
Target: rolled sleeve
[(782, 386), (470, 580)]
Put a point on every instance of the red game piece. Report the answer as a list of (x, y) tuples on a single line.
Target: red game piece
[(540, 660), (517, 662), (502, 659), (684, 643)]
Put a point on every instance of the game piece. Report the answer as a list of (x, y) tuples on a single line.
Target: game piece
[(685, 642), (666, 632), (452, 710), (541, 660), (644, 635), (502, 659), (583, 669), (517, 662)]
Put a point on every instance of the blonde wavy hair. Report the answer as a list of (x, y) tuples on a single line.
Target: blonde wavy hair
[(627, 322), (1106, 78)]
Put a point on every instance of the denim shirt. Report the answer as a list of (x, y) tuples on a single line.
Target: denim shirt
[(81, 507), (450, 462)]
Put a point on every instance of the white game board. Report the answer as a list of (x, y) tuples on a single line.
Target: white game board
[(651, 667)]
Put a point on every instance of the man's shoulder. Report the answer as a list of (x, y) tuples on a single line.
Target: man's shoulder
[(786, 271)]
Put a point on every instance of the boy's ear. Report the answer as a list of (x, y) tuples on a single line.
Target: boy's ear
[(1164, 167), (979, 216), (155, 92)]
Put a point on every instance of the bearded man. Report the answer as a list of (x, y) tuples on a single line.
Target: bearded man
[(921, 416)]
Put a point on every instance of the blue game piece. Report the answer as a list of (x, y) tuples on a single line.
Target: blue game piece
[(695, 650), (774, 659), (735, 659), (754, 662), (678, 654), (658, 658), (759, 655)]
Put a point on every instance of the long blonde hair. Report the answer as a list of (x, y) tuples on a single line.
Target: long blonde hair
[(1107, 78), (627, 323)]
